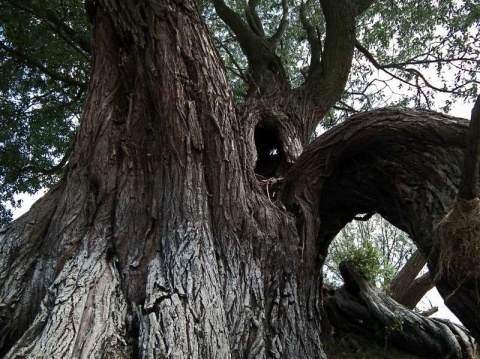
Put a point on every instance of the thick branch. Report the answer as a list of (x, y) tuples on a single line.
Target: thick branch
[(416, 291), (246, 37), (363, 5), (56, 23), (267, 72), (313, 38), (327, 83), (362, 308), (468, 184), (405, 277), (253, 18), (282, 27)]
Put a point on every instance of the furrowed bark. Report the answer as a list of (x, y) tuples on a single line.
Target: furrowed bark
[(159, 240), (362, 308), (402, 164)]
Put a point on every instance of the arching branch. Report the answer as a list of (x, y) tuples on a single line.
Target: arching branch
[(403, 164)]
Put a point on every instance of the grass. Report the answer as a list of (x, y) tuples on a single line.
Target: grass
[(351, 346)]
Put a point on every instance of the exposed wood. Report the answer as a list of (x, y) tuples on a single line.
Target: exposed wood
[(404, 288)]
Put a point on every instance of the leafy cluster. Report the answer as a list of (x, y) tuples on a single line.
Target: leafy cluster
[(44, 57), (408, 53), (376, 248)]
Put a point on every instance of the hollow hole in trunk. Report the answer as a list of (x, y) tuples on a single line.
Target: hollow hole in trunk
[(270, 154)]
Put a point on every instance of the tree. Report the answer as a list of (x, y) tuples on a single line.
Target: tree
[(384, 255), (168, 235), (379, 250), (45, 61)]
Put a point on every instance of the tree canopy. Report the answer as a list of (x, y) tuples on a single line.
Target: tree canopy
[(45, 66)]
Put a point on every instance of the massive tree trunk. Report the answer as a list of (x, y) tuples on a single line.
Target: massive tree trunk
[(161, 241)]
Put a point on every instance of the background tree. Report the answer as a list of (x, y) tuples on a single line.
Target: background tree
[(45, 65), (172, 234), (380, 250), (384, 255)]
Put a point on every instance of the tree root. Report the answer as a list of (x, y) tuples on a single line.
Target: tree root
[(361, 308)]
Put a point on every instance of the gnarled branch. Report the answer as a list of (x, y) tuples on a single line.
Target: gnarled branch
[(360, 307), (403, 164)]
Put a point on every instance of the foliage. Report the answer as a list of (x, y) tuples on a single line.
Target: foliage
[(43, 83), (376, 248), (399, 59), (45, 59)]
